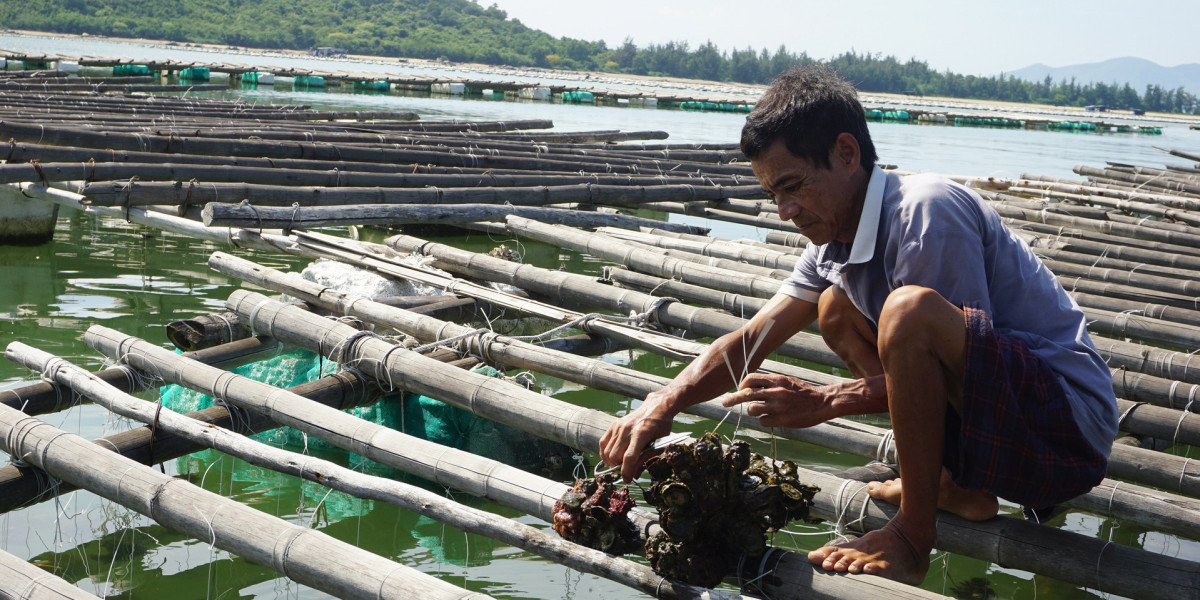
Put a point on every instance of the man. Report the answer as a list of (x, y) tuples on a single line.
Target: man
[(950, 322)]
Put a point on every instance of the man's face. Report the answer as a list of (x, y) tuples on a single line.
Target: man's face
[(819, 201)]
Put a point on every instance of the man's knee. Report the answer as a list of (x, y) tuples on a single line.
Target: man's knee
[(915, 318), (908, 315), (836, 314)]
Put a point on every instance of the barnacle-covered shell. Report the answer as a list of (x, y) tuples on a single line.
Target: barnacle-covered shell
[(716, 505), (594, 513)]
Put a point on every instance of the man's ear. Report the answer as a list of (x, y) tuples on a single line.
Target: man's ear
[(846, 154)]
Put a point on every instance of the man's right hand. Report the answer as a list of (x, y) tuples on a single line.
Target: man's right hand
[(628, 437)]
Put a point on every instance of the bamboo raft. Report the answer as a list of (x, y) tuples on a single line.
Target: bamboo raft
[(389, 80), (1124, 241)]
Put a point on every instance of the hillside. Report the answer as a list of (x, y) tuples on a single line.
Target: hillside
[(464, 31), (1138, 72), (459, 30)]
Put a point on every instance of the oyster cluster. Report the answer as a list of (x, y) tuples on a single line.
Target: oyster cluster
[(716, 504), (595, 513)]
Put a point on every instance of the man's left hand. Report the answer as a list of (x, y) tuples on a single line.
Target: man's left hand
[(782, 401)]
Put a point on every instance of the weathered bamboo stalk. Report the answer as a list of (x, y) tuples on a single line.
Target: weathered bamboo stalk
[(720, 263), (23, 486), (234, 237), (27, 132), (42, 398), (640, 260), (1144, 359), (1038, 182), (409, 497), (1154, 311), (110, 88), (1182, 188), (217, 214), (714, 247), (736, 304), (1127, 325), (1132, 583), (204, 331), (1146, 208), (304, 555), (1053, 256), (20, 580), (124, 193), (103, 174), (1084, 227), (650, 341)]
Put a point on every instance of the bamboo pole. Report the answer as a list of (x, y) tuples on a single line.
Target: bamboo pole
[(1084, 189), (27, 132), (713, 247), (735, 304), (309, 557), (136, 193), (1146, 208), (408, 497), (657, 343), (42, 398), (720, 263), (22, 486), (700, 322), (640, 260), (101, 174), (1154, 311), (20, 580), (217, 214), (1182, 188), (1083, 227)]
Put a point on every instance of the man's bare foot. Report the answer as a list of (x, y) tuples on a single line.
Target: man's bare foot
[(887, 552), (972, 505)]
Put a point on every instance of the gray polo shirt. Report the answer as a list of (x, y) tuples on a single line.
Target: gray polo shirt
[(928, 231)]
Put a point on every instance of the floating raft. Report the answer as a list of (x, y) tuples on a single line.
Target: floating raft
[(1125, 241)]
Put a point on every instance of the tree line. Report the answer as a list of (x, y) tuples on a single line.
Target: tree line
[(465, 31)]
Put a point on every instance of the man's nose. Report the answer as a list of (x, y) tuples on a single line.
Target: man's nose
[(787, 210)]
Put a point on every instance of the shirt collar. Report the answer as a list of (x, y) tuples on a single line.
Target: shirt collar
[(863, 248)]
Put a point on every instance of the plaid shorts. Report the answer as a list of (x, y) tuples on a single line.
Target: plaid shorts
[(1016, 437)]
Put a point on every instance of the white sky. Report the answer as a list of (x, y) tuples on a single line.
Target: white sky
[(967, 37)]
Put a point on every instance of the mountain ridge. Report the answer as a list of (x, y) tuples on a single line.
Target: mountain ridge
[(1137, 72)]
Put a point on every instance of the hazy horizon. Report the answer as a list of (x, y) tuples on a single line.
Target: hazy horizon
[(969, 38)]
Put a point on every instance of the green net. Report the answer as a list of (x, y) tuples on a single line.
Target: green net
[(414, 414)]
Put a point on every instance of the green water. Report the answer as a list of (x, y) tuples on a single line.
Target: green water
[(136, 280)]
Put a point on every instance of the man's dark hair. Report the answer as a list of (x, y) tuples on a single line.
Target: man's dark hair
[(809, 106)]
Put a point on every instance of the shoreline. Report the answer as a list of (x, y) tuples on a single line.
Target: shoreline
[(745, 91)]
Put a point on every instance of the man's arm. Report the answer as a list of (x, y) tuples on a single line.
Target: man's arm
[(721, 367)]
